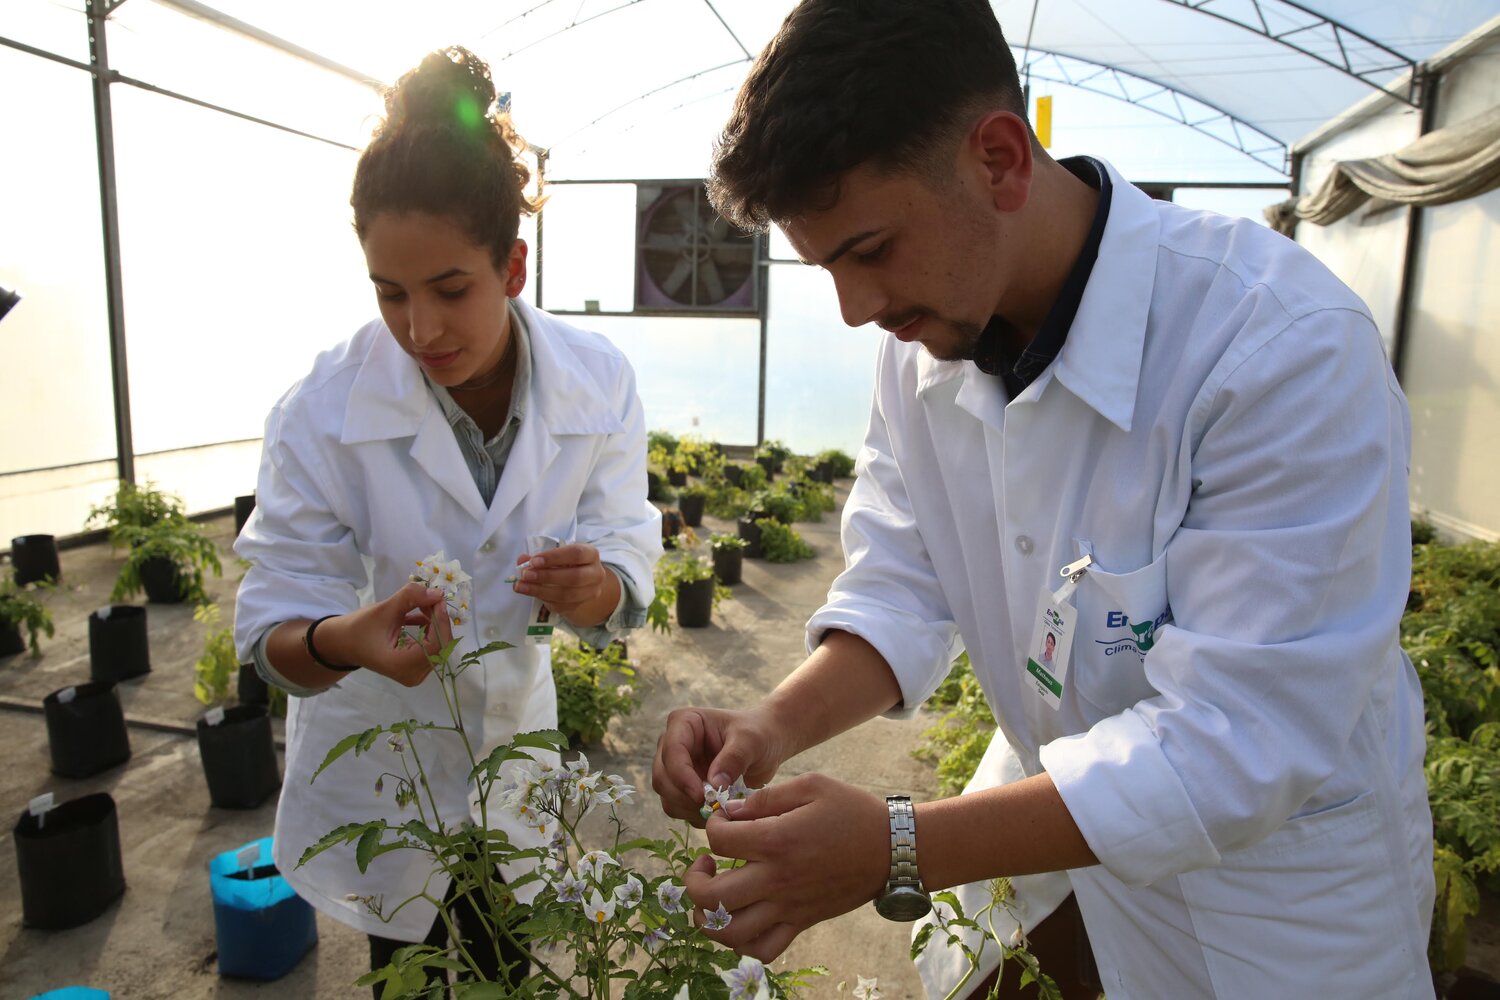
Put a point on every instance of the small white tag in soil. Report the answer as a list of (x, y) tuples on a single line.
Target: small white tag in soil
[(66, 695), (40, 807), (248, 857), (213, 716), (103, 613)]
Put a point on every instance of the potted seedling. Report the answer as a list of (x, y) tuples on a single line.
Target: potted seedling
[(690, 501), (69, 861), (834, 464), (168, 561), (729, 557), (781, 543), (772, 456), (593, 687), (21, 611), (686, 582), (35, 559), (134, 507), (775, 503), (239, 757)]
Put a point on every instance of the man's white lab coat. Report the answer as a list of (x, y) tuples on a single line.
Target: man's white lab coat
[(1240, 737), (361, 477)]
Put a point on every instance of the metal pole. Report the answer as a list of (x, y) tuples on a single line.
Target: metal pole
[(763, 272), (104, 138), (1404, 302), (541, 181)]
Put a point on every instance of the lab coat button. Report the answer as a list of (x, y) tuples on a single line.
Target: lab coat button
[(1023, 544), (492, 633), (487, 547)]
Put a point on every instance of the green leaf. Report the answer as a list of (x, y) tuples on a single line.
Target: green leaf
[(951, 899), (919, 943), (364, 851), (343, 746), (346, 834)]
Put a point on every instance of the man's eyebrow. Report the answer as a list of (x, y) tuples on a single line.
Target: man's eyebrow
[(846, 246), (451, 272)]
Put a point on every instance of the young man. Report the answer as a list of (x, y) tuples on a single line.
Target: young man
[(1226, 757)]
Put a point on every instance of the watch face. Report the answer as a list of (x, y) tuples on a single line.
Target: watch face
[(903, 903)]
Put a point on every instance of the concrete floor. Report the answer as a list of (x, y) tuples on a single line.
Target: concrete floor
[(158, 940)]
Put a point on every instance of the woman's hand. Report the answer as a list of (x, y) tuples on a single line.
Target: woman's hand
[(571, 581), (393, 637), (712, 746)]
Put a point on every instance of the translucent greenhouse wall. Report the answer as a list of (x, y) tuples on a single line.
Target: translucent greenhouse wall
[(1451, 358)]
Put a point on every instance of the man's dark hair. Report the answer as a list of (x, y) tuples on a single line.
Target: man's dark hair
[(890, 82)]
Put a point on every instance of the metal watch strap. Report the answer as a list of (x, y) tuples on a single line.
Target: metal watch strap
[(903, 843), (307, 641)]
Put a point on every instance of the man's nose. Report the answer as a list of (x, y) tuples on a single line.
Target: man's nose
[(860, 301)]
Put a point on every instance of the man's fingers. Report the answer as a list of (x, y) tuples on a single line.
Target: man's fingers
[(771, 944), (747, 924), (773, 800)]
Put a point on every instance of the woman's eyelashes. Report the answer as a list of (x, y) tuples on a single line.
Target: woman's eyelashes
[(873, 254)]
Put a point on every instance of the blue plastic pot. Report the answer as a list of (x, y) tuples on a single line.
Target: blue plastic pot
[(73, 993), (263, 927)]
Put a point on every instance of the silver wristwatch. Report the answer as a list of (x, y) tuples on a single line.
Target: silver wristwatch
[(903, 897)]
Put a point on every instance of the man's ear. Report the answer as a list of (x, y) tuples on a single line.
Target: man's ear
[(515, 269), (1000, 145)]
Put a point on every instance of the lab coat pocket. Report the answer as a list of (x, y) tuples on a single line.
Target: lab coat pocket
[(1321, 896), (1118, 615)]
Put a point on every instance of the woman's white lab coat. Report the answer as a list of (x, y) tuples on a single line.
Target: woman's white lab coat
[(1240, 736), (361, 477)]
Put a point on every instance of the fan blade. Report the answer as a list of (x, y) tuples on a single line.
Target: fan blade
[(709, 272), (680, 274), (663, 241)]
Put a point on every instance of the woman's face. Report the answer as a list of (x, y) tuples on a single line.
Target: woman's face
[(440, 294)]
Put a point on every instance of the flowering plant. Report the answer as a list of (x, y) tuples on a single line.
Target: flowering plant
[(598, 927), (948, 919)]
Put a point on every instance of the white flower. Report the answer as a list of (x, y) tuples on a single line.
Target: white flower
[(669, 895), (616, 789), (453, 576), (630, 894), (624, 690), (559, 843), (714, 798), (570, 888), (1018, 939), (682, 994), (748, 981), (739, 790), (594, 862), (866, 990), (599, 909), (717, 920), (396, 745), (654, 939)]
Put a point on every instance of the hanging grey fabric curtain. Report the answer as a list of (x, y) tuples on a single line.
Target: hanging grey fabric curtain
[(1450, 164)]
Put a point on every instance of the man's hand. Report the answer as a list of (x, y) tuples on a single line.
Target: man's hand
[(815, 848), (376, 637), (713, 746), (571, 581)]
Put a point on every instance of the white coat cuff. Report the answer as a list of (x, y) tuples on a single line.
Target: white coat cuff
[(916, 654), (1128, 802), (271, 675)]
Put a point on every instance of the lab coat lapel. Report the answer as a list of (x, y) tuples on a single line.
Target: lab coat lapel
[(389, 400), (530, 457)]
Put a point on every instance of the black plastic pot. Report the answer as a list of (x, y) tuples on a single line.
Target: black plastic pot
[(243, 506), (252, 690), (671, 527), (69, 862), (750, 532), (769, 464), (118, 649), (162, 582), (11, 640), (695, 603), (734, 474), (677, 478), (656, 487), (692, 509), (729, 565), (823, 472), (35, 559), (239, 758), (87, 734)]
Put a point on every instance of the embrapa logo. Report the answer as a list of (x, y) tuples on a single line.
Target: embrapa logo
[(1144, 632)]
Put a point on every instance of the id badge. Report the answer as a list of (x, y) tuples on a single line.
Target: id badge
[(539, 626), (1051, 647)]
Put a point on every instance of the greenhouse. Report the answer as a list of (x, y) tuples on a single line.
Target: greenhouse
[(186, 282)]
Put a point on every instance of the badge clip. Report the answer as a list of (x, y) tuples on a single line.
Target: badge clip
[(1071, 574)]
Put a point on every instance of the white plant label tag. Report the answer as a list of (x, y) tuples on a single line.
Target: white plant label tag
[(103, 613), (66, 695), (40, 807), (213, 716), (247, 856)]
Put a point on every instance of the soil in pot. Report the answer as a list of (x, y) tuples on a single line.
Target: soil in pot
[(85, 729), (243, 508), (69, 860), (750, 532), (729, 565), (118, 649), (695, 603), (161, 581), (35, 559), (11, 640), (239, 757), (692, 510)]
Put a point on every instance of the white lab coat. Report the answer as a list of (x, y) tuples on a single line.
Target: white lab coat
[(361, 477), (1223, 434)]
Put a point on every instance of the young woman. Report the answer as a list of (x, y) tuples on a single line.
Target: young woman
[(462, 420)]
